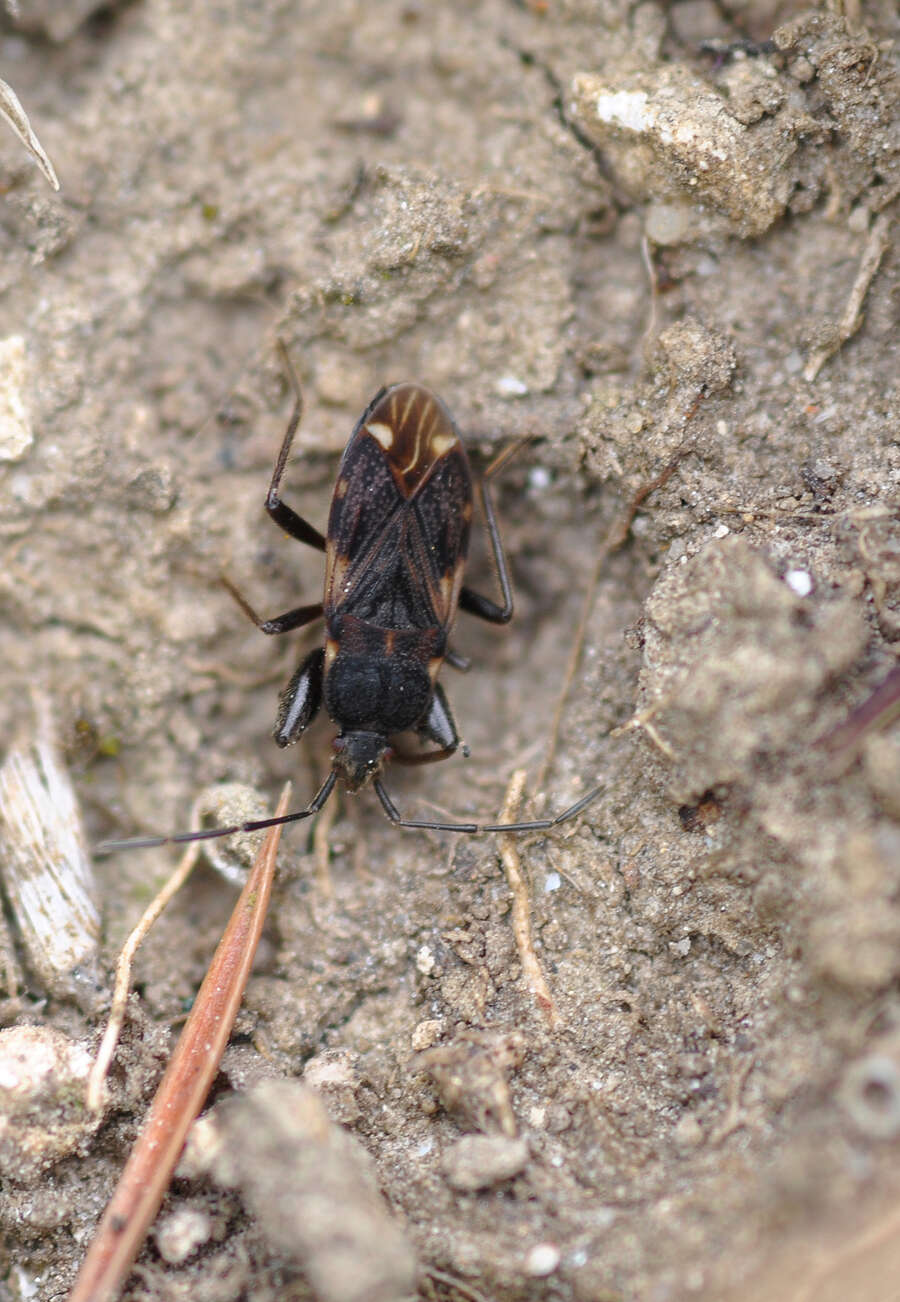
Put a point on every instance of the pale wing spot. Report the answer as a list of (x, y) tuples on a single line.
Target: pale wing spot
[(331, 650), (340, 488), (382, 434), (441, 443), (434, 667)]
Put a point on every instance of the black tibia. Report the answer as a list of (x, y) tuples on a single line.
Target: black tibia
[(474, 602), (286, 623), (283, 515), (299, 702)]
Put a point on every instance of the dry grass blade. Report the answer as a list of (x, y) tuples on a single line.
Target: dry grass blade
[(47, 874), (94, 1095), (183, 1088), (11, 109)]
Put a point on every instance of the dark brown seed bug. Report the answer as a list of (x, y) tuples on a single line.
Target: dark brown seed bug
[(395, 553)]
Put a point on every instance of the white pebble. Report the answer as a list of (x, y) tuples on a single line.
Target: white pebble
[(510, 386), (542, 1260), (799, 581), (181, 1233)]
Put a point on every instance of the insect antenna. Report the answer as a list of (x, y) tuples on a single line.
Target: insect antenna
[(209, 834), (478, 829)]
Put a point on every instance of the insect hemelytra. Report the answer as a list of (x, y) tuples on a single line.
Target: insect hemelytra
[(395, 553)]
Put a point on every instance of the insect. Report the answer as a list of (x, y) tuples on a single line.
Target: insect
[(395, 552)]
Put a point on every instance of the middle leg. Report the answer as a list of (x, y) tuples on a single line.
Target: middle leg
[(286, 623)]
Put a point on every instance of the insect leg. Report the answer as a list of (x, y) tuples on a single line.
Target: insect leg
[(439, 727), (535, 825), (209, 834), (299, 702), (474, 602), (291, 619), (461, 663), (283, 515)]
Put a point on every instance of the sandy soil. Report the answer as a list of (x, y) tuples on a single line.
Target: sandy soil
[(452, 193)]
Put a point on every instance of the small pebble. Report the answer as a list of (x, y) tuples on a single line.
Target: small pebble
[(802, 70), (181, 1233), (427, 1033), (542, 1260), (43, 1075), (799, 581), (480, 1161), (509, 386), (425, 960)]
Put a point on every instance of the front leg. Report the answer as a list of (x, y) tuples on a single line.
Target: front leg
[(300, 701), (437, 726)]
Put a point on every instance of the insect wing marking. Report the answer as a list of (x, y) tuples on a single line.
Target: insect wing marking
[(421, 432), (398, 530), (383, 433)]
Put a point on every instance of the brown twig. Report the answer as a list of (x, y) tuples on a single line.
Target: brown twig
[(851, 319), (183, 1089), (521, 907), (844, 743)]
